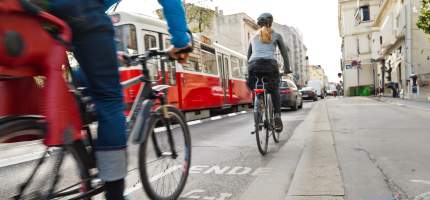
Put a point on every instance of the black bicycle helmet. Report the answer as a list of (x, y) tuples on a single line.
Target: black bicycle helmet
[(265, 19)]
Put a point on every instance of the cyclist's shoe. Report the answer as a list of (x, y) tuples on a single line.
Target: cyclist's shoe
[(114, 190), (278, 123)]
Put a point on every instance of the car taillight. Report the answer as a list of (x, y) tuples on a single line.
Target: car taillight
[(285, 91)]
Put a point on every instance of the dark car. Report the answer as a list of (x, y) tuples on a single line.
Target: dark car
[(309, 93), (290, 95)]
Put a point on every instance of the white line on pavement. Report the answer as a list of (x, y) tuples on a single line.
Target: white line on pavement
[(216, 118), (232, 114), (421, 181), (194, 122), (165, 173), (21, 159)]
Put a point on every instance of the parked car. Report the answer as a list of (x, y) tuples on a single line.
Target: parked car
[(331, 89), (290, 95), (309, 93), (318, 86)]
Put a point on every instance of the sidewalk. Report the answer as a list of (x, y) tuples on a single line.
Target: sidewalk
[(306, 167), (420, 105)]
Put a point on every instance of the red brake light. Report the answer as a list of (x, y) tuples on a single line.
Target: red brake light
[(259, 91), (285, 91)]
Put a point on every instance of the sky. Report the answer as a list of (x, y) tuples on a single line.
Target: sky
[(316, 20)]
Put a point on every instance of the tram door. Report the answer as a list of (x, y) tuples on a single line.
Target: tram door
[(223, 65)]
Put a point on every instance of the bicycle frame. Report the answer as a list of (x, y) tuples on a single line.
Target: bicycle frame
[(143, 106), (260, 90), (21, 59)]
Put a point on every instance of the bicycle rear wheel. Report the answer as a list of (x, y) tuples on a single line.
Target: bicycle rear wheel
[(39, 176), (163, 175), (261, 124), (271, 118)]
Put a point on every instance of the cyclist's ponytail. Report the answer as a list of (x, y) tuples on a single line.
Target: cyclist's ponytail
[(266, 34)]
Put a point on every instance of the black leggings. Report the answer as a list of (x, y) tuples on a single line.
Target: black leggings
[(268, 69)]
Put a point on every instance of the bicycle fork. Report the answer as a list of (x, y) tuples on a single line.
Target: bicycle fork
[(166, 120)]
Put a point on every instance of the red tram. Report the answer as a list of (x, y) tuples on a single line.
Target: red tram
[(214, 77)]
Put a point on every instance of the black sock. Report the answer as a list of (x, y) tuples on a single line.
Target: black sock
[(114, 190)]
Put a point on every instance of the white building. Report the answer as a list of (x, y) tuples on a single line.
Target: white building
[(356, 18), (296, 51), (234, 31), (404, 48)]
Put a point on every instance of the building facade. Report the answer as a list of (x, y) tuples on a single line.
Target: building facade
[(356, 18), (297, 53), (316, 72), (402, 51), (234, 31)]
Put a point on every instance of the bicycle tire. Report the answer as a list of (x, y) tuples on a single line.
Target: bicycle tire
[(14, 128), (271, 113), (261, 131), (146, 165)]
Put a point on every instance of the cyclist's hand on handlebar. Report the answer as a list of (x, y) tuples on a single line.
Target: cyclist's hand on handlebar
[(180, 54)]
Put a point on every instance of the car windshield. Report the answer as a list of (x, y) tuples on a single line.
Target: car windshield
[(284, 84), (307, 88)]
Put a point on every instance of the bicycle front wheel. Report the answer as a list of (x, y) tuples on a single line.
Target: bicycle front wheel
[(261, 124), (43, 175), (164, 165)]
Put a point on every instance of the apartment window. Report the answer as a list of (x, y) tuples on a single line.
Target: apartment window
[(365, 13)]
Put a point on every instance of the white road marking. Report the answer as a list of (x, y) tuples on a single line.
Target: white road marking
[(165, 173), (232, 114), (21, 159), (195, 194), (240, 171), (243, 112), (191, 194), (160, 129), (424, 196), (228, 170), (194, 122), (216, 118), (421, 181)]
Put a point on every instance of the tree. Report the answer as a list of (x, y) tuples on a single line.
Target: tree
[(424, 18), (199, 19)]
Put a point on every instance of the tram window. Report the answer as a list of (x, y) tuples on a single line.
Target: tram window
[(209, 63), (152, 66), (171, 68), (150, 42), (235, 67), (125, 38), (167, 43), (192, 65), (243, 67)]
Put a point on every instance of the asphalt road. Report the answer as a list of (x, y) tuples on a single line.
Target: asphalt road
[(225, 159), (336, 149)]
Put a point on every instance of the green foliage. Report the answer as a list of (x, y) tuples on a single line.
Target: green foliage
[(199, 19), (424, 18)]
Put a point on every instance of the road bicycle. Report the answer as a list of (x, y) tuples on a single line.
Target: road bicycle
[(62, 114), (263, 116)]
